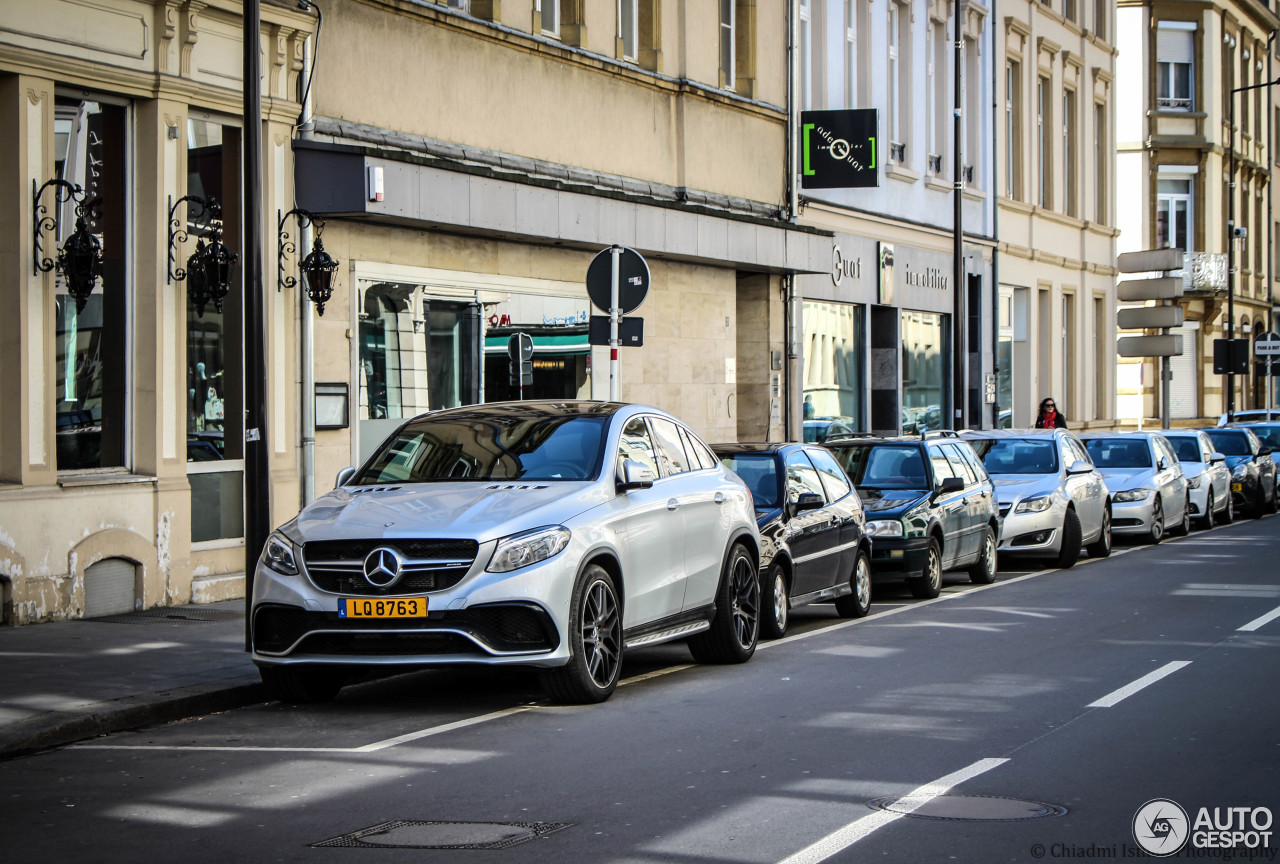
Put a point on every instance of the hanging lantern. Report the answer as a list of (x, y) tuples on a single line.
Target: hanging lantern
[(318, 268), (218, 260), (80, 261), (197, 279)]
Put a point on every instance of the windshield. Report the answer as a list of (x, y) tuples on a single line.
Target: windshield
[(883, 466), (1119, 452), (1188, 449), (760, 472), (520, 447), (1017, 455), (1231, 443)]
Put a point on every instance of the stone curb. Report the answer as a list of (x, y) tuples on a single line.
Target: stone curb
[(59, 728)]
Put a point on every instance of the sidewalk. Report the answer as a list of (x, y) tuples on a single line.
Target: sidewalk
[(70, 680)]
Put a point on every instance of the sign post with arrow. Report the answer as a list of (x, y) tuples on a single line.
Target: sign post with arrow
[(617, 283)]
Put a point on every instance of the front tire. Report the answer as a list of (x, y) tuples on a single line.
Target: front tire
[(1228, 512), (1101, 548), (735, 630), (983, 571), (1206, 521), (595, 643), (774, 600), (1157, 522), (928, 584), (1072, 538), (301, 684), (857, 604), (1184, 527)]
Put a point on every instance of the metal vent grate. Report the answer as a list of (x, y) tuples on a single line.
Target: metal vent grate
[(410, 834)]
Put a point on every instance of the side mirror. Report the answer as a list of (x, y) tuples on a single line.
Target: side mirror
[(1216, 458), (344, 475), (807, 501), (950, 484), (1080, 467), (1162, 464), (636, 475)]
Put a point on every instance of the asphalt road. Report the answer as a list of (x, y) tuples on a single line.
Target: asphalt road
[(1027, 720)]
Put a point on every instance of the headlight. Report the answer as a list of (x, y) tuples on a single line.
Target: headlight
[(1034, 505), (1240, 471), (1194, 482), (884, 528), (278, 555), (1130, 495), (521, 550)]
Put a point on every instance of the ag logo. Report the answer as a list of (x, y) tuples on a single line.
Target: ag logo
[(1161, 827)]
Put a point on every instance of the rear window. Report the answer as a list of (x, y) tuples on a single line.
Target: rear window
[(1119, 452), (1017, 455), (760, 472)]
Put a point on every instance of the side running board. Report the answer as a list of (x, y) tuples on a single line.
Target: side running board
[(677, 632)]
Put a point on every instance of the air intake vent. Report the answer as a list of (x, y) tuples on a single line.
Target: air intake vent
[(359, 490), (515, 486)]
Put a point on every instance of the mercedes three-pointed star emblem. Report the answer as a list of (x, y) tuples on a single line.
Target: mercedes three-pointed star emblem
[(382, 567)]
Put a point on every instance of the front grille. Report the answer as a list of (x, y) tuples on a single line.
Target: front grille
[(502, 627), (336, 566)]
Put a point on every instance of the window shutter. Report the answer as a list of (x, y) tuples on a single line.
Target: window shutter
[(1175, 46)]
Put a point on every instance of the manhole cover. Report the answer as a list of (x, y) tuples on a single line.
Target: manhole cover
[(406, 834), (967, 808)]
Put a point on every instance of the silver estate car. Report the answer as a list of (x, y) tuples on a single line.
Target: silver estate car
[(1052, 499), (548, 534), (1207, 475), (1149, 492)]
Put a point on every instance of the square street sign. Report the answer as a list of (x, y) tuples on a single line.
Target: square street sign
[(838, 149)]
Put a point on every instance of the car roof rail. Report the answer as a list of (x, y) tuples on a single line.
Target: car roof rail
[(939, 433)]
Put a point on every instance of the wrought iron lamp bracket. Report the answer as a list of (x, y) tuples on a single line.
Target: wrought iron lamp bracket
[(209, 212), (286, 246)]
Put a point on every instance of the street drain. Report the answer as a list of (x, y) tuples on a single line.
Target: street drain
[(408, 834), (967, 808)]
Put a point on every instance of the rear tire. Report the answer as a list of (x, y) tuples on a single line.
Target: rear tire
[(983, 571), (301, 684), (595, 643), (857, 604), (928, 584), (1101, 548), (774, 601), (1071, 540), (735, 630)]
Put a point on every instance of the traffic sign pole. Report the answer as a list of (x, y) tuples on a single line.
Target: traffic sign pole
[(615, 253)]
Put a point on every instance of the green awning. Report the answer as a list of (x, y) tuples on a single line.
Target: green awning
[(567, 343)]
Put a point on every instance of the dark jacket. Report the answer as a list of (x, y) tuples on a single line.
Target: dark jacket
[(1059, 421)]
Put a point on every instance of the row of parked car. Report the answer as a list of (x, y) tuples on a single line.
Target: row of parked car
[(559, 535)]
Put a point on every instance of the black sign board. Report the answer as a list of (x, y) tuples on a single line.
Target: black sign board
[(633, 280), (630, 331), (838, 149), (1230, 356)]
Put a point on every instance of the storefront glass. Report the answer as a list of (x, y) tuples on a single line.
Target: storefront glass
[(90, 344), (834, 367), (215, 402), (561, 353), (924, 365)]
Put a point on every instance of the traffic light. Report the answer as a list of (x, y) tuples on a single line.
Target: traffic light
[(520, 351)]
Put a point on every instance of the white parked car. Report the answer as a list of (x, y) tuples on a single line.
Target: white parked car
[(1149, 492), (548, 534), (1207, 475), (1052, 499)]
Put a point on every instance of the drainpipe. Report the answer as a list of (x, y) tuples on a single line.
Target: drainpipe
[(306, 339), (791, 303), (995, 230)]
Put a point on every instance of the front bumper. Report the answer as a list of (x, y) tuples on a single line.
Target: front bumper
[(1037, 534), (892, 557), (1133, 517), (1244, 492), (516, 618)]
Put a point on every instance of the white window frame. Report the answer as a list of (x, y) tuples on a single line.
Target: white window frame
[(805, 40), (728, 39), (1010, 133), (895, 95), (1044, 156), (629, 14), (1166, 203), (1070, 156), (851, 53), (550, 10)]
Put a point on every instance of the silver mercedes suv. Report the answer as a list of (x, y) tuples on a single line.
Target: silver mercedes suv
[(547, 534)]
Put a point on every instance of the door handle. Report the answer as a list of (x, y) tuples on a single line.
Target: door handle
[(672, 504), (719, 499)]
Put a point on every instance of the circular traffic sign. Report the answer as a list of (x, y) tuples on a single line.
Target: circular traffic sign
[(633, 280)]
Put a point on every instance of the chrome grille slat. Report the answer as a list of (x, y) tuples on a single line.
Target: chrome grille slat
[(337, 566)]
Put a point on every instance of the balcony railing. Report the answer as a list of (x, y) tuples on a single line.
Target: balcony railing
[(897, 151), (935, 163), (1168, 103), (1204, 272)]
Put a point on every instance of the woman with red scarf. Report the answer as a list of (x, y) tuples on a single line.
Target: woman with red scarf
[(1050, 417)]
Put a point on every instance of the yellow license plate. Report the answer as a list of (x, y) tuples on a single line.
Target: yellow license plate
[(371, 607), (1237, 487)]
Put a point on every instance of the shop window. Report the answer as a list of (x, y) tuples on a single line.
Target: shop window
[(834, 347), (91, 344), (215, 398), (924, 368)]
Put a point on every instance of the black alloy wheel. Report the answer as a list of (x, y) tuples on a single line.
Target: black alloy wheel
[(735, 629), (595, 643), (858, 603)]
